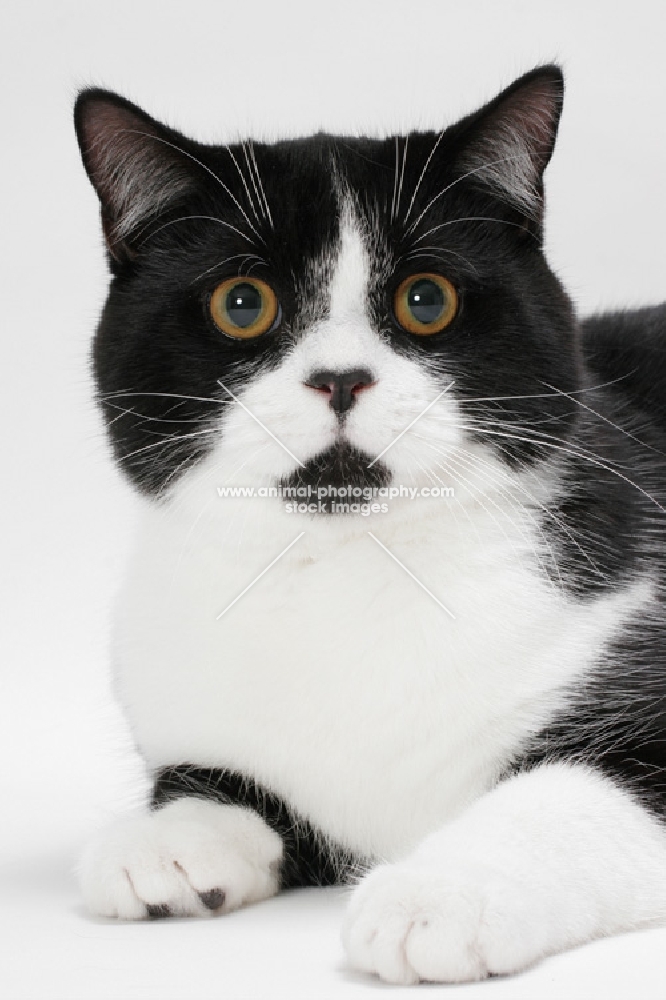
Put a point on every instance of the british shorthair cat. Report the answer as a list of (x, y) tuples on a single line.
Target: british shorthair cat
[(395, 615)]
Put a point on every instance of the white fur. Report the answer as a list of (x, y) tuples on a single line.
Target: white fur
[(546, 861), (143, 185), (506, 163), (336, 682), (168, 857)]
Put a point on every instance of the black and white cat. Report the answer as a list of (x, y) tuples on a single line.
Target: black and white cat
[(464, 694)]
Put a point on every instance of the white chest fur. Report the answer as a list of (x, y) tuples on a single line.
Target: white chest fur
[(335, 680)]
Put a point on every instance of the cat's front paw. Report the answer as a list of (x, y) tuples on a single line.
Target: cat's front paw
[(190, 858), (408, 923)]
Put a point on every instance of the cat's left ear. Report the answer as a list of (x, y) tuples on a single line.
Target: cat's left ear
[(506, 146)]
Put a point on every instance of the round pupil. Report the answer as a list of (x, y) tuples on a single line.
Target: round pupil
[(244, 304), (426, 301)]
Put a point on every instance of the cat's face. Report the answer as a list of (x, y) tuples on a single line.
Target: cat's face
[(283, 313)]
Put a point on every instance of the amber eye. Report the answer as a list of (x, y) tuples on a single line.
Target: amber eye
[(244, 307), (425, 304)]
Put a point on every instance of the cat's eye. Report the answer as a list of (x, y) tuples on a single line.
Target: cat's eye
[(425, 304), (244, 308)]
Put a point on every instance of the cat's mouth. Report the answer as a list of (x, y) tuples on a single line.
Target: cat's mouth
[(335, 481)]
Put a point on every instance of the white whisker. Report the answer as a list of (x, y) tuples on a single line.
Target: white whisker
[(542, 395), (422, 252), (578, 454), (261, 186), (402, 174), (251, 176), (474, 170), (173, 439), (243, 181), (244, 256), (423, 173), (203, 166), (469, 218), (209, 218), (395, 177), (560, 392), (120, 393)]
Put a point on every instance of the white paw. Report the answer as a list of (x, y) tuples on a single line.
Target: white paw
[(410, 922), (190, 858)]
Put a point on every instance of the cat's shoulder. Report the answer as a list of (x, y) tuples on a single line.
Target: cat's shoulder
[(626, 350)]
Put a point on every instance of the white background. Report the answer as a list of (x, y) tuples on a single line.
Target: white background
[(217, 70)]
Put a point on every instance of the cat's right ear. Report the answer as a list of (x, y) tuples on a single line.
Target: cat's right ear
[(135, 164)]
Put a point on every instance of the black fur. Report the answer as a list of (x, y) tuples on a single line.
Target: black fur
[(617, 719), (628, 349), (340, 466), (159, 359), (309, 857), (532, 382)]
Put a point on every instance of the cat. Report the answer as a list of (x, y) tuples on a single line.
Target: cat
[(395, 613)]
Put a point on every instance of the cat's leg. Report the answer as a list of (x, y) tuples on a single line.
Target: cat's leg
[(549, 859), (189, 858), (214, 841)]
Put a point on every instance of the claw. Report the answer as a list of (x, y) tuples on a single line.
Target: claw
[(213, 899)]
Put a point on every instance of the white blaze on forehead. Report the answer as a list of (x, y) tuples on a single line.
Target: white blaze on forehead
[(345, 338), (349, 284)]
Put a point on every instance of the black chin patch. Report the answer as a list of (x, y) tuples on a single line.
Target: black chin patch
[(341, 468)]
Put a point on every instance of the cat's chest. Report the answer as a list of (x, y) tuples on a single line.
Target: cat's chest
[(377, 689)]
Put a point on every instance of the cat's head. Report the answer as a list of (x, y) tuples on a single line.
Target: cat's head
[(285, 313)]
